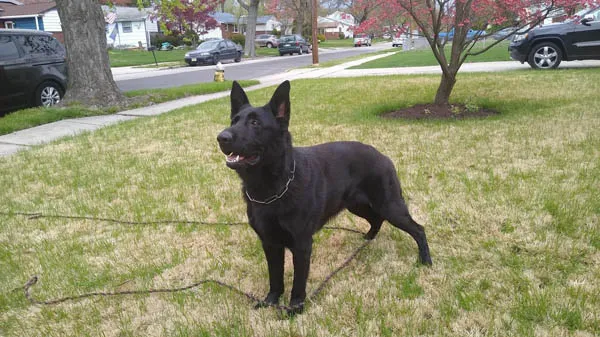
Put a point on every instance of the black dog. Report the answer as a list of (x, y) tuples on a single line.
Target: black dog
[(291, 192)]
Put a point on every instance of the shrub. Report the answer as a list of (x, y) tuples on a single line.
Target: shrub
[(321, 37), (238, 38), (341, 36), (158, 39)]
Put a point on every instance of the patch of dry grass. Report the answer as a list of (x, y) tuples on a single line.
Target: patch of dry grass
[(510, 205)]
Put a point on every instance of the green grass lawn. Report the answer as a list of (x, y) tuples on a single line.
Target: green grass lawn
[(510, 205), (27, 118), (343, 43), (122, 58), (424, 57), (267, 51)]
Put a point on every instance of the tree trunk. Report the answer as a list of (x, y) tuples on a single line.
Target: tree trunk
[(249, 49), (90, 80), (299, 22), (442, 97), (252, 8)]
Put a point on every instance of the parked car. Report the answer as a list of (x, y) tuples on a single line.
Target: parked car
[(290, 44), (33, 70), (214, 51), (267, 40), (362, 40), (398, 41), (503, 33), (471, 34), (547, 46)]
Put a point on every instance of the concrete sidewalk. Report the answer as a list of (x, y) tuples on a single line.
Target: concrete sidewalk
[(24, 139)]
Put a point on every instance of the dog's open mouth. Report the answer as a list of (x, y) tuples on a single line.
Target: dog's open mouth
[(235, 159)]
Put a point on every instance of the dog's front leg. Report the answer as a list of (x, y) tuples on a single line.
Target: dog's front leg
[(275, 260), (301, 253)]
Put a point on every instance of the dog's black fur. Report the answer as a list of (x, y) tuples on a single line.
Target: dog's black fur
[(306, 186)]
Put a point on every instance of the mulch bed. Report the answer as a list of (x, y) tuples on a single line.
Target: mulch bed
[(433, 111)]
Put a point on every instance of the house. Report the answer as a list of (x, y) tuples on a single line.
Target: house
[(264, 24), (229, 24), (336, 24), (128, 27), (31, 14)]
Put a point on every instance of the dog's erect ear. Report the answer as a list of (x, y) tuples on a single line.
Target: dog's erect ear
[(280, 102), (238, 98)]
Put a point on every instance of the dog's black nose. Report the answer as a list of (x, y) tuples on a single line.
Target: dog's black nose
[(225, 137)]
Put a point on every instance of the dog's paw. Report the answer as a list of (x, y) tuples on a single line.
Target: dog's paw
[(295, 309), (271, 300), (426, 260)]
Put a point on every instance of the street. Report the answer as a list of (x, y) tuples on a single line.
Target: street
[(245, 70)]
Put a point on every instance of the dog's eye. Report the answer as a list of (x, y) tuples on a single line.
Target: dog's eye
[(254, 122)]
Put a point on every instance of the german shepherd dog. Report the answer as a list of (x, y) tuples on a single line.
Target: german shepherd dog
[(291, 192)]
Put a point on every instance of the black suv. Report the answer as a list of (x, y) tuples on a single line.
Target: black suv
[(33, 69), (545, 47)]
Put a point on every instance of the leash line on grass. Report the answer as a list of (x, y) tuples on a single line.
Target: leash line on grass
[(39, 215), (282, 308)]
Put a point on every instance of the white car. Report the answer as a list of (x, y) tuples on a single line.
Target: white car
[(398, 41), (362, 40)]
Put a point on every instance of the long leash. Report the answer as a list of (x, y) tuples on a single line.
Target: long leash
[(282, 308)]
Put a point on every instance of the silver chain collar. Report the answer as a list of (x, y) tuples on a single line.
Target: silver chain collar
[(276, 196)]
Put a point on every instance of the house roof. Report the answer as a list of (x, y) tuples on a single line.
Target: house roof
[(223, 17), (260, 20), (326, 23), (342, 17), (127, 13), (9, 10)]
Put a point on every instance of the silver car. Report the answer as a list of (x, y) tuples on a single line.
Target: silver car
[(266, 40)]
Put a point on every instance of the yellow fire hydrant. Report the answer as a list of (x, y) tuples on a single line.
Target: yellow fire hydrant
[(219, 73)]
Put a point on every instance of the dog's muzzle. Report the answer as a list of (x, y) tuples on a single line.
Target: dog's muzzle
[(234, 159)]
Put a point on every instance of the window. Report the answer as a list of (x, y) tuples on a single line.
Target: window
[(39, 45), (8, 49), (230, 44), (126, 26), (9, 25), (596, 15), (235, 28)]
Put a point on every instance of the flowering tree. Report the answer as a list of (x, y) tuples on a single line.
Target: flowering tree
[(181, 16), (433, 17), (363, 10)]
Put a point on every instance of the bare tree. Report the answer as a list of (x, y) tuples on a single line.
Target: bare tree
[(293, 12), (90, 80)]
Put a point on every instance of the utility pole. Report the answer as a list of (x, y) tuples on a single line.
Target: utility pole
[(315, 28)]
